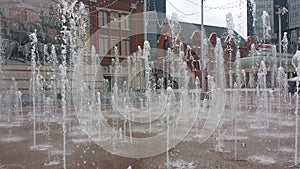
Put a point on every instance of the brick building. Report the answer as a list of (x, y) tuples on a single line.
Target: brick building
[(115, 23), (190, 35)]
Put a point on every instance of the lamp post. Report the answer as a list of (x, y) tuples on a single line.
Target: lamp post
[(145, 20), (202, 51), (281, 11)]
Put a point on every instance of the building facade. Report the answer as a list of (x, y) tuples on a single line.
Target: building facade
[(290, 22), (294, 23), (156, 13), (123, 24), (115, 24), (190, 35)]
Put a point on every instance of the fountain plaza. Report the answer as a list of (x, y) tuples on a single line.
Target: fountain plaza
[(65, 114)]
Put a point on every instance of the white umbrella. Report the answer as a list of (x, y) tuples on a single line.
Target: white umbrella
[(294, 79)]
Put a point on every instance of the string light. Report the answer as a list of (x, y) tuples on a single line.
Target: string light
[(158, 22), (176, 8), (225, 6), (111, 3), (190, 1), (206, 8), (133, 7)]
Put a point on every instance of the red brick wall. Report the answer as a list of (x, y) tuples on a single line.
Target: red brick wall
[(136, 22)]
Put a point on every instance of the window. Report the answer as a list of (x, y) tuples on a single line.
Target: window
[(125, 47), (125, 22), (114, 41), (102, 15), (114, 20), (103, 45)]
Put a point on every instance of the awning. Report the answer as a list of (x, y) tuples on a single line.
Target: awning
[(294, 79)]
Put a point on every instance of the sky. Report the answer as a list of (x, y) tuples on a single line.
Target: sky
[(215, 12)]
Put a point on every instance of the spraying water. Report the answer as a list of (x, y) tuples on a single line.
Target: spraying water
[(67, 11), (266, 26), (1, 53), (296, 64), (33, 82), (253, 4), (285, 43)]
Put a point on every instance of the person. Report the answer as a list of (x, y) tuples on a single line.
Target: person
[(285, 42), (296, 58)]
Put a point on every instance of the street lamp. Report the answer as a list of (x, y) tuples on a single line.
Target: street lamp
[(202, 50), (145, 20), (281, 11)]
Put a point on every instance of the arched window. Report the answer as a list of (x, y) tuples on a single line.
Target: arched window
[(166, 45)]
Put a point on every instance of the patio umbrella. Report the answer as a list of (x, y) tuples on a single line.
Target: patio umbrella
[(294, 79)]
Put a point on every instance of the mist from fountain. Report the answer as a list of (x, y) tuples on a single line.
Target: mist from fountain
[(262, 85), (237, 98), (11, 105), (274, 66)]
